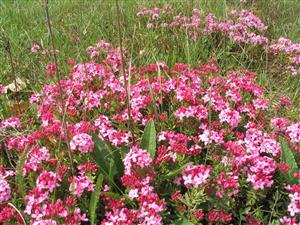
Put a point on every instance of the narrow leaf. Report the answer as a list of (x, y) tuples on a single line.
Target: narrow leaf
[(105, 155), (287, 156), (102, 155), (148, 141), (95, 197), (112, 195), (176, 172), (112, 172), (117, 158), (183, 222), (19, 176)]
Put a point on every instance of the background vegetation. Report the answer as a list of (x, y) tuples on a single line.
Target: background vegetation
[(79, 24)]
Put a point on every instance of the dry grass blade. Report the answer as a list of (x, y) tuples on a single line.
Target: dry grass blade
[(130, 123), (18, 211), (58, 82)]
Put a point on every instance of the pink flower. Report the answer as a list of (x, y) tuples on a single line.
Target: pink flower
[(293, 132), (48, 181), (195, 175), (288, 221), (83, 142), (260, 103), (133, 193), (35, 48), (45, 222), (210, 136), (51, 69), (34, 199), (294, 206), (2, 89), (106, 130), (5, 192), (285, 101), (260, 172), (280, 123), (12, 122), (34, 98), (79, 184), (230, 116), (34, 158), (136, 157), (199, 112), (78, 216)]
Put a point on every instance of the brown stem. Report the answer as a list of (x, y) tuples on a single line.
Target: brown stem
[(130, 124), (58, 82), (13, 71)]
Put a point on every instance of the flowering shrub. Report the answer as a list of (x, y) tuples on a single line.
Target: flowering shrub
[(199, 144)]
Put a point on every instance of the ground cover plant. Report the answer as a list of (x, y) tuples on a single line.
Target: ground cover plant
[(115, 137)]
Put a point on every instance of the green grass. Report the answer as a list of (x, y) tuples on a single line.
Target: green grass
[(78, 24)]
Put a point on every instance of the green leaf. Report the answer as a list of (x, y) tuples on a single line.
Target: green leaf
[(19, 175), (112, 195), (95, 197), (175, 172), (107, 157), (287, 156), (112, 172), (183, 222), (102, 155), (148, 141), (117, 159)]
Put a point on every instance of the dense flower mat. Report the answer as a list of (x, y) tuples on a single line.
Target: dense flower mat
[(199, 145)]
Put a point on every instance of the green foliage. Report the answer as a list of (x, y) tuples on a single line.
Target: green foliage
[(108, 159), (102, 154), (21, 184), (176, 172), (287, 156), (183, 222), (148, 141), (95, 197)]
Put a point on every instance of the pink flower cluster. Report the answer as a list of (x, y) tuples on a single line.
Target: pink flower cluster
[(5, 191), (227, 183), (290, 50), (213, 134), (43, 210), (195, 175), (83, 142), (136, 157), (106, 130), (113, 56), (35, 48), (12, 122), (243, 27), (230, 116), (79, 184), (48, 181), (140, 190), (294, 206), (261, 171), (293, 132), (34, 158)]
